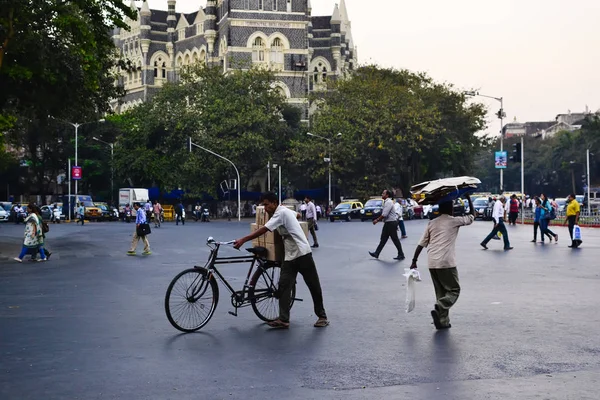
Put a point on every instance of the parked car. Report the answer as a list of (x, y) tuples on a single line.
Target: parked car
[(346, 211), (412, 209), (48, 211), (562, 205), (7, 207), (482, 209), (460, 208), (108, 213), (4, 214), (371, 210)]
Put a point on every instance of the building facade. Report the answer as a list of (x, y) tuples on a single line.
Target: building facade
[(305, 52)]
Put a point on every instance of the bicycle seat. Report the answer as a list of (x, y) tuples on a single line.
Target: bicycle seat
[(258, 251)]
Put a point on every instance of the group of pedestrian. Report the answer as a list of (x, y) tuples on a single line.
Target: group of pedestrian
[(35, 235)]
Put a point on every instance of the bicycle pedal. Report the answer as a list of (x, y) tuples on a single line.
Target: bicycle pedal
[(298, 300), (233, 313)]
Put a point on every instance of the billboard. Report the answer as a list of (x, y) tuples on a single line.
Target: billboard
[(76, 173), (500, 160)]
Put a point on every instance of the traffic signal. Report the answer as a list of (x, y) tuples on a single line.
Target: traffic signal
[(516, 157)]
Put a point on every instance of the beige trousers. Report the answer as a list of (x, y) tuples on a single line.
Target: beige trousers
[(136, 240)]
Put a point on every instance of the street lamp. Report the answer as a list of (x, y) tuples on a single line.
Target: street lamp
[(500, 115), (190, 144), (76, 126), (328, 160), (112, 168)]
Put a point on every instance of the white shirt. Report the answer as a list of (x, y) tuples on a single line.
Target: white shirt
[(294, 241), (311, 211), (303, 207), (318, 209), (440, 240), (388, 212), (498, 211), (398, 209)]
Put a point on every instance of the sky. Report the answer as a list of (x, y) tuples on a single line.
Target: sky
[(541, 56)]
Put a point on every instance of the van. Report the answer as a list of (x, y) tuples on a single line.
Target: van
[(92, 213), (132, 195)]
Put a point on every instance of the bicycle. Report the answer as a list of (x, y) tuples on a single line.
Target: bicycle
[(193, 295)]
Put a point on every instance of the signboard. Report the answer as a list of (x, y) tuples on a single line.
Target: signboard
[(501, 159), (76, 173)]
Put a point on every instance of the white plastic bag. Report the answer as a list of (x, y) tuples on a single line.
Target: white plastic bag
[(412, 276), (576, 233)]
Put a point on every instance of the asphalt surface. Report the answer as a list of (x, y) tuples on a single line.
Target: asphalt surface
[(90, 323)]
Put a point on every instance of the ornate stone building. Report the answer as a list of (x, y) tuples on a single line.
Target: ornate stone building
[(305, 51)]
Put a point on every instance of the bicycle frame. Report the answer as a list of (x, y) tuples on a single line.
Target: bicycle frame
[(213, 273)]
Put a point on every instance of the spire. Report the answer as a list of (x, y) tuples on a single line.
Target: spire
[(344, 11), (336, 18), (309, 7), (145, 8)]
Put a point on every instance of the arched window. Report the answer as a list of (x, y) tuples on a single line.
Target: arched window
[(320, 71), (160, 68), (156, 69), (258, 50), (277, 51), (316, 75), (203, 56)]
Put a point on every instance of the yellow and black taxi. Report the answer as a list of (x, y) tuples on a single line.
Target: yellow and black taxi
[(346, 211), (371, 210)]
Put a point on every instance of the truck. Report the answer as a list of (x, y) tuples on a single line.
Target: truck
[(130, 196)]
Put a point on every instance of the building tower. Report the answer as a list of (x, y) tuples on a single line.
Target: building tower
[(210, 26)]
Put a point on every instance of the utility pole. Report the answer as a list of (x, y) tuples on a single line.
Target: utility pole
[(522, 180), (589, 206)]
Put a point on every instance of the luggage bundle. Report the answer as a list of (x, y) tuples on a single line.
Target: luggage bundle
[(443, 190)]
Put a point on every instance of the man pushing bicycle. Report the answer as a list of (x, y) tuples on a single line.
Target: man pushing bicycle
[(298, 259)]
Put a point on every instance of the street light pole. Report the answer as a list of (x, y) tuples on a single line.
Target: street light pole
[(589, 206), (501, 116), (112, 168), (269, 176), (190, 144), (329, 160)]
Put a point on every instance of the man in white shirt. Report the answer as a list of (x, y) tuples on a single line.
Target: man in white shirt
[(440, 240), (311, 217), (399, 213), (303, 211), (319, 212), (499, 216), (298, 258), (390, 227)]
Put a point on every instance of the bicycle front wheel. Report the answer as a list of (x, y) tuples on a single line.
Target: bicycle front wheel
[(191, 299), (264, 293)]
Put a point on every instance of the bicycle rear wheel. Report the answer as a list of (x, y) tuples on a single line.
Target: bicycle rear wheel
[(264, 292), (191, 299)]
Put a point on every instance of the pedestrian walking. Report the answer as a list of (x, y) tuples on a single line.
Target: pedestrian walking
[(319, 212), (33, 235), (298, 259), (148, 209), (572, 218), (399, 213), (311, 215), (390, 226), (537, 218), (440, 240), (179, 214), (157, 209), (141, 231), (303, 211), (81, 213), (513, 210), (499, 216), (43, 250), (548, 214)]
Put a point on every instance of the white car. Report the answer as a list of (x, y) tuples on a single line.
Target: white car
[(3, 215)]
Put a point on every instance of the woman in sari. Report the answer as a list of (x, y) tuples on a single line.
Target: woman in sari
[(33, 235)]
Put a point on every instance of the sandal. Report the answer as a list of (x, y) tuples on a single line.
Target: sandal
[(278, 324), (321, 323)]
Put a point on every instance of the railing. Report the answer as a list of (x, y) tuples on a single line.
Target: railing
[(585, 219)]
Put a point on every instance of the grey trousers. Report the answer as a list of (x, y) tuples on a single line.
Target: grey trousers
[(447, 290), (311, 229)]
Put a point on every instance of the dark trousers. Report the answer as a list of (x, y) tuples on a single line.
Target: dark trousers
[(536, 225), (499, 227), (402, 227), (545, 230), (81, 219), (305, 265), (571, 221), (447, 290), (390, 230), (512, 217), (311, 229)]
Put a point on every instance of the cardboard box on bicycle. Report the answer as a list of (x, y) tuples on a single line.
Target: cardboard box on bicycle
[(272, 237), (262, 217)]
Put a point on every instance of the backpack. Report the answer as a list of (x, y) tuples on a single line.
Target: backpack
[(551, 213)]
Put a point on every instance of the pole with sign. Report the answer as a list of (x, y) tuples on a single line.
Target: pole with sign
[(76, 173)]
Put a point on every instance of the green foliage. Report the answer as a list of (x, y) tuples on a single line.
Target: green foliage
[(554, 166), (397, 128), (235, 115)]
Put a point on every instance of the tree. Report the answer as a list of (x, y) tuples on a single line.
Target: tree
[(237, 115), (397, 128)]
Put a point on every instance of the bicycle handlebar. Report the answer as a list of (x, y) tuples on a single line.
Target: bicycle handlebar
[(210, 240)]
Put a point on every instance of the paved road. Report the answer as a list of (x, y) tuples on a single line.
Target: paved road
[(90, 323)]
